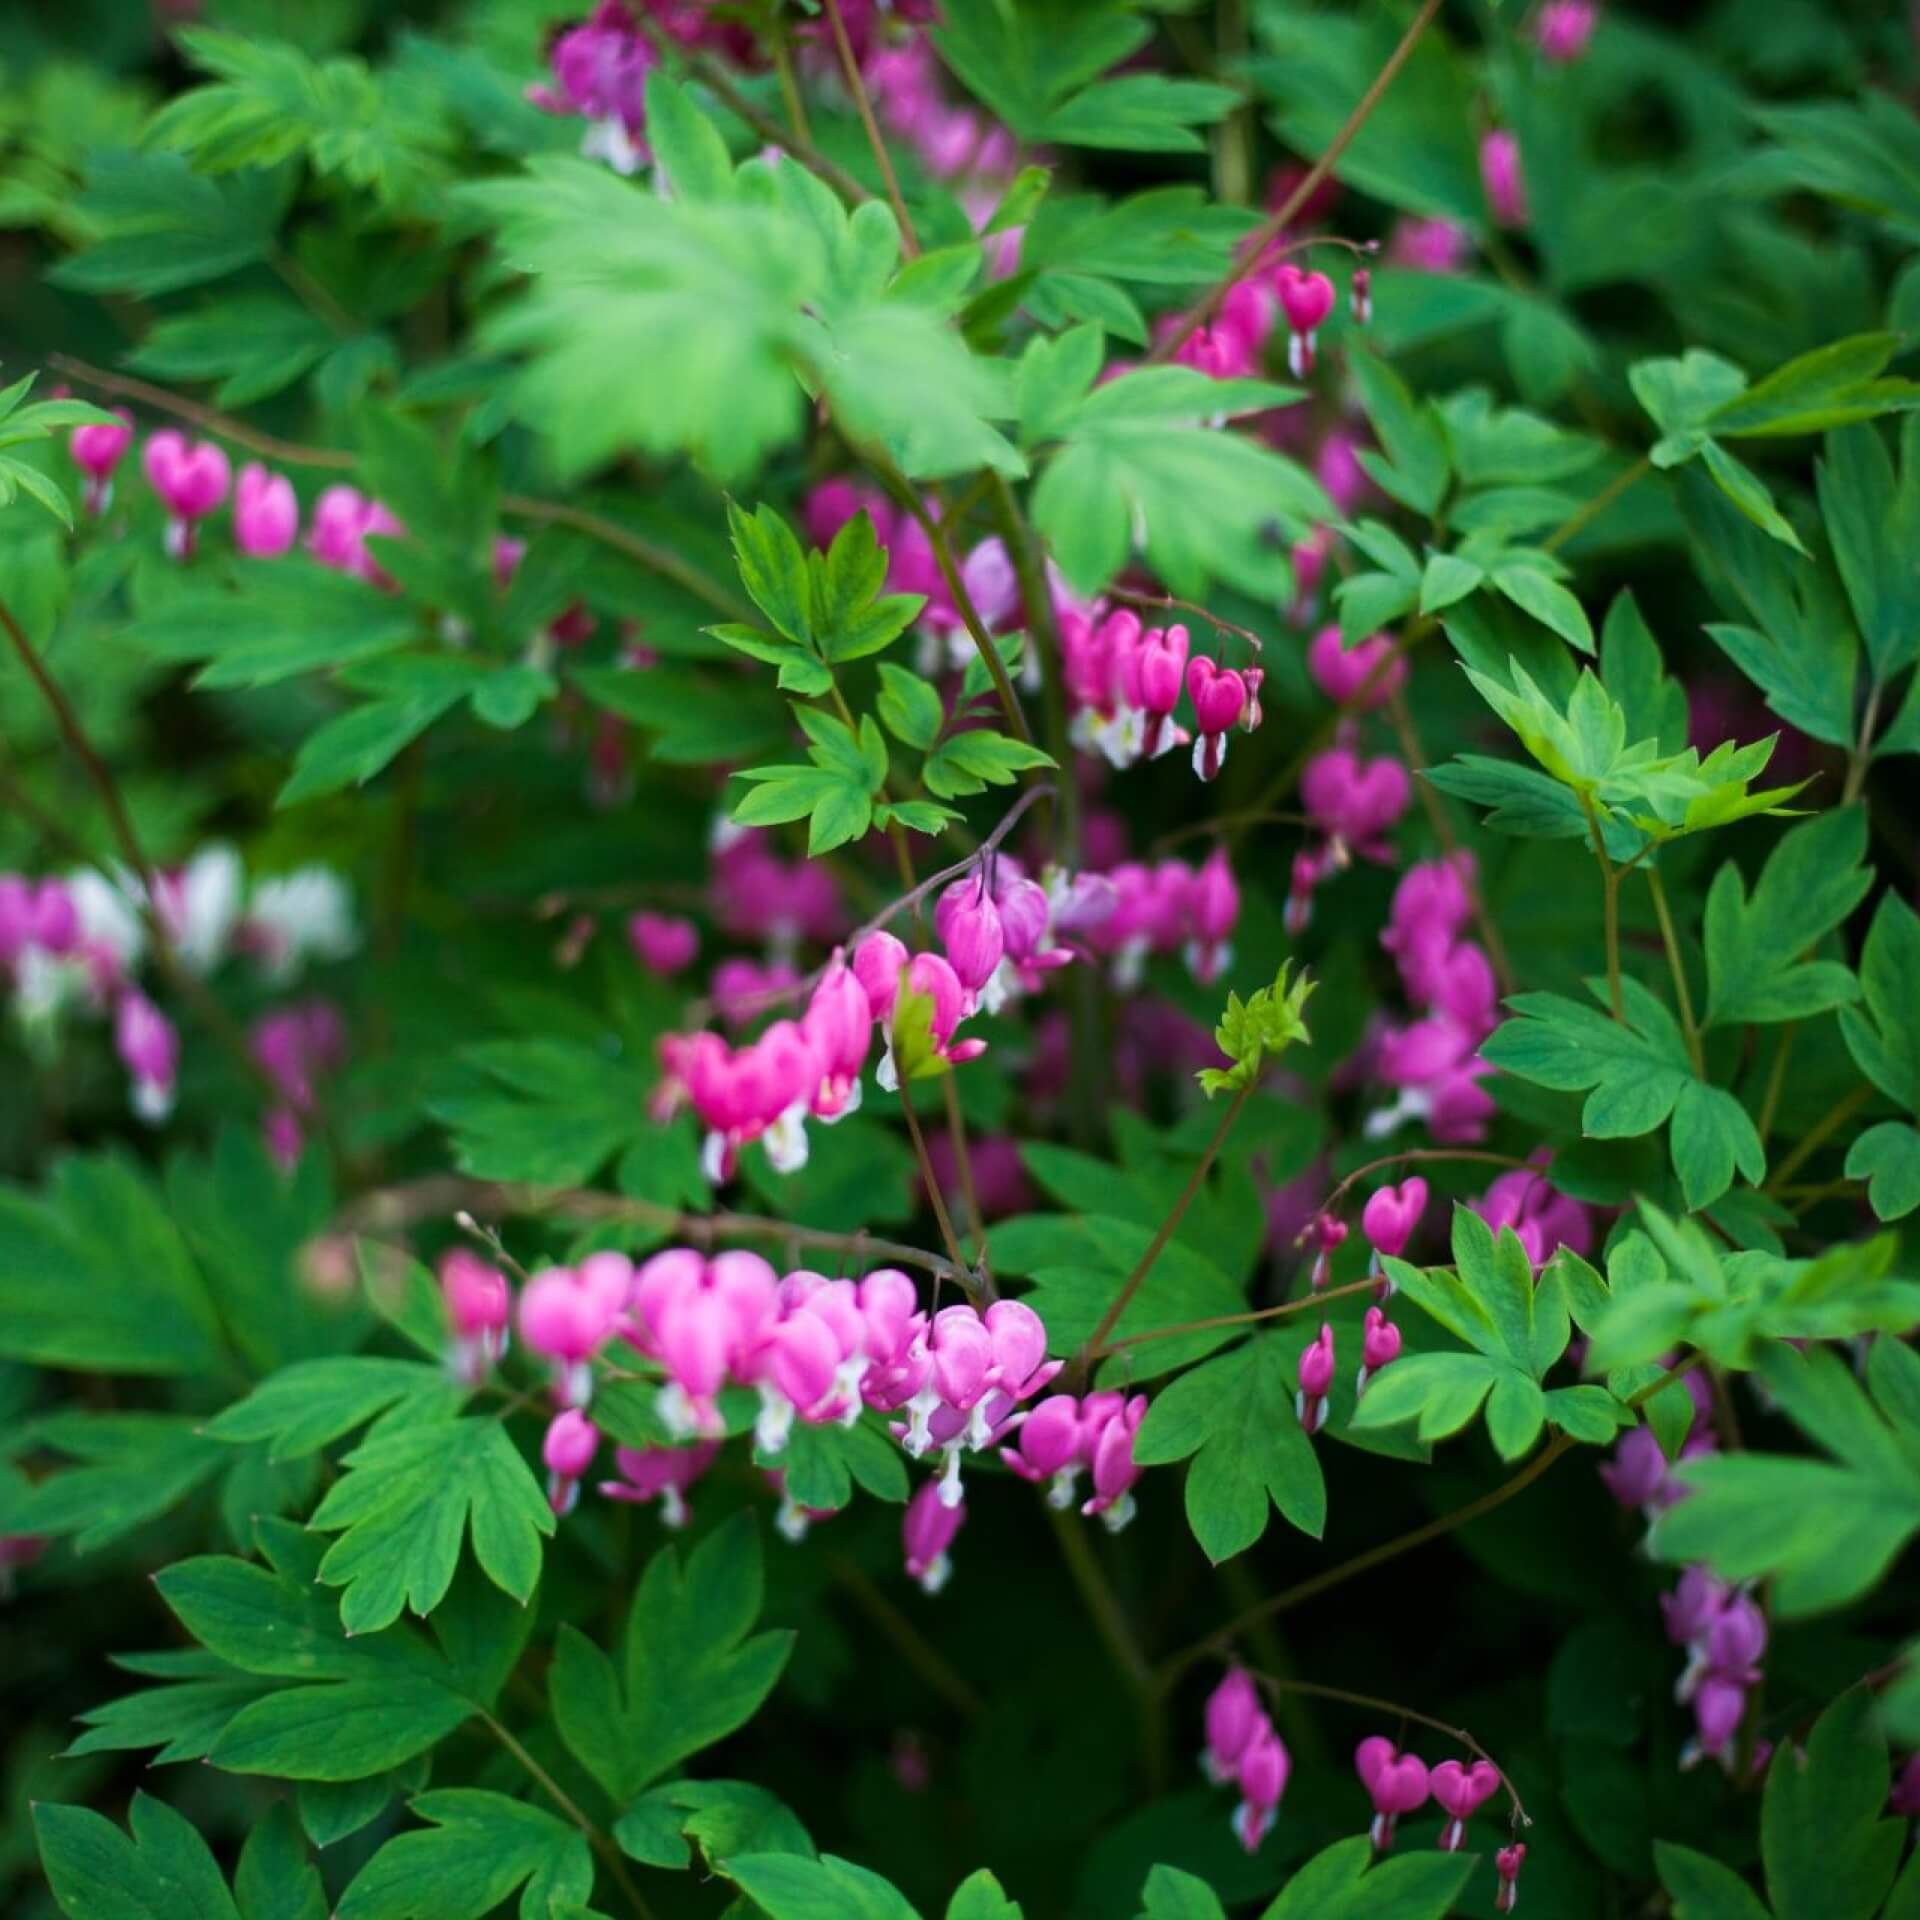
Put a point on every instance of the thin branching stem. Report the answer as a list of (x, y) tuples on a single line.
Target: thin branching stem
[(1253, 254), (1302, 1591), (857, 87), (443, 1196), (652, 555), (600, 1842), (1681, 991), (1096, 1341), (1373, 1704), (1610, 881)]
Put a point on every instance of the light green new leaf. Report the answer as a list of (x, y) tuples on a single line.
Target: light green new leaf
[(405, 1500)]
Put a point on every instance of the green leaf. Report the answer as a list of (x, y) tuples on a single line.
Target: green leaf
[(1235, 1415), (130, 1468), (1638, 1074), (253, 345), (270, 101), (1079, 1262), (981, 1897), (1346, 1883), (478, 1848), (1825, 1529), (290, 616), (1679, 395), (1831, 387), (1172, 1895), (787, 1887), (94, 1275), (305, 1406), (1038, 70), (1888, 1158), (550, 1111), (1812, 881), (414, 692), (1830, 1848), (1536, 593), (358, 1705), (691, 157), (843, 813), (165, 1871), (971, 761), (821, 1463), (1703, 1889), (1415, 469), (909, 707), (1140, 462), (1801, 651), (162, 226), (723, 1817), (694, 1671), (1884, 1036), (512, 695), (1873, 522), (405, 1500), (773, 568), (1448, 578), (1748, 492), (275, 1880), (1635, 677)]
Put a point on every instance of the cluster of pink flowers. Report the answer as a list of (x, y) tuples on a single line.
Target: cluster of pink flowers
[(1562, 28), (1062, 1437), (1169, 907), (75, 944), (1543, 1218), (1433, 1062), (297, 1047), (1243, 1750), (193, 479), (1721, 1627), (1724, 1633), (1500, 176), (814, 1350), (758, 896), (599, 69), (1125, 680), (902, 78)]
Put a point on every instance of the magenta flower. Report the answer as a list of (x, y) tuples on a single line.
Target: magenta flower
[(191, 479), (266, 516), (1396, 1782), (97, 449), (660, 1473)]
